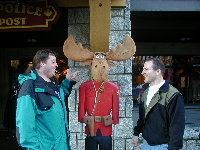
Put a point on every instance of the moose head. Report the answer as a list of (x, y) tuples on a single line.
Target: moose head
[(99, 61)]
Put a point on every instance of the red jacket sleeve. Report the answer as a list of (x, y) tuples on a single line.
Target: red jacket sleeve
[(81, 106), (115, 109)]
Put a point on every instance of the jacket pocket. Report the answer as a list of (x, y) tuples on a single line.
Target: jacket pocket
[(44, 101)]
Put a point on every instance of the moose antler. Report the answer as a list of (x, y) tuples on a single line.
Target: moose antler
[(76, 52), (122, 51)]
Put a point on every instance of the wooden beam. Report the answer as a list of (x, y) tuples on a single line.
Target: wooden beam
[(99, 25), (118, 3), (85, 3)]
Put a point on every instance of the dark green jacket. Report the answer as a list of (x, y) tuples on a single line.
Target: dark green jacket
[(163, 121), (41, 116)]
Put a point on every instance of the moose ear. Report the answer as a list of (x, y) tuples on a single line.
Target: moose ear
[(87, 62), (110, 63), (75, 51), (122, 51)]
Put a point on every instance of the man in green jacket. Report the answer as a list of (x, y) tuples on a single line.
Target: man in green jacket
[(41, 116)]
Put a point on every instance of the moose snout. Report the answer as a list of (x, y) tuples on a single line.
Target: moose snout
[(100, 66)]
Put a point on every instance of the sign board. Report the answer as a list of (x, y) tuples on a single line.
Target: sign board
[(27, 17), (85, 3)]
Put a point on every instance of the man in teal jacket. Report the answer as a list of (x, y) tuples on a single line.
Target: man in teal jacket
[(41, 117)]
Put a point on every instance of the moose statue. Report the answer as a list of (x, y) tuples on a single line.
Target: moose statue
[(98, 97)]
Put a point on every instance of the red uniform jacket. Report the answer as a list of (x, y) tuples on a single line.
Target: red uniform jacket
[(108, 102)]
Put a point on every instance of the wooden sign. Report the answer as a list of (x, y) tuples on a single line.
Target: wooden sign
[(85, 3), (26, 17), (100, 11)]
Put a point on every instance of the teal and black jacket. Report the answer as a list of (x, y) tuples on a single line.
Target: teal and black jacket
[(163, 120), (41, 116)]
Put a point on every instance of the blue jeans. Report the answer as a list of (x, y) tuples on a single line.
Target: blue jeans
[(146, 146), (104, 142)]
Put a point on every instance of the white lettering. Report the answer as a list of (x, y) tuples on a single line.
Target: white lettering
[(12, 21), (9, 8)]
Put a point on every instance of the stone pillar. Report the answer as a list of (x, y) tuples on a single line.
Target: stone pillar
[(78, 26)]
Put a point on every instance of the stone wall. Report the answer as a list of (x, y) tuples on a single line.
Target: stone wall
[(78, 26)]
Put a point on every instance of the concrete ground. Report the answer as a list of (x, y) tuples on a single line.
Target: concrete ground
[(192, 114)]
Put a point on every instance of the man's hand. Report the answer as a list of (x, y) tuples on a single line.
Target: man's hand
[(72, 76), (135, 140)]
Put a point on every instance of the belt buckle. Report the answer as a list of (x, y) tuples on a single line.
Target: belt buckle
[(97, 118)]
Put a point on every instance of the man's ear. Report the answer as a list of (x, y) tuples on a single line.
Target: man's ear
[(41, 64), (158, 72)]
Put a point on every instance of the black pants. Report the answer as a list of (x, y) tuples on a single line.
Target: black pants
[(104, 142)]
